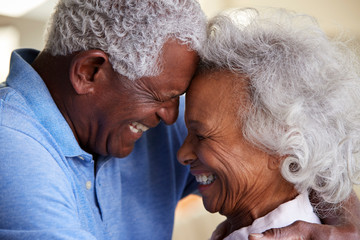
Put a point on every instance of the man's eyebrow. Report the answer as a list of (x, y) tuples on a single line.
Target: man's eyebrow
[(178, 95), (186, 89), (183, 92)]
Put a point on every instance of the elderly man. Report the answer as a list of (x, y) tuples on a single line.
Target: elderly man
[(111, 70)]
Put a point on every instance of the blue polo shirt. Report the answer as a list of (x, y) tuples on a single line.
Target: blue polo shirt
[(52, 189)]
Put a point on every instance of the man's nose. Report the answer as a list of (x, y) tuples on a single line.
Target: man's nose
[(169, 111), (186, 155)]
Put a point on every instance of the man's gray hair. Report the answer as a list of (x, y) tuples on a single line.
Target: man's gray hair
[(131, 32), (304, 91)]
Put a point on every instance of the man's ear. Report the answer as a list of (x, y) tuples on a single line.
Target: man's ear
[(84, 68)]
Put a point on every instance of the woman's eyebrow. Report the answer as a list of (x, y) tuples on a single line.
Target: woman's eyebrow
[(194, 123)]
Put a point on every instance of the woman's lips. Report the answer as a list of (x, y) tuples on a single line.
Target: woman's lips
[(205, 179)]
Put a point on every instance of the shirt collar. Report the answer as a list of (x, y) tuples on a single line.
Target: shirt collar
[(24, 79)]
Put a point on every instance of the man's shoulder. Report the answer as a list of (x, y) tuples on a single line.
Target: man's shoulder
[(19, 126), (26, 146), (14, 112), (9, 95)]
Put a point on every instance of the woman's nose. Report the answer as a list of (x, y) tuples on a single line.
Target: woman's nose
[(186, 155), (169, 111)]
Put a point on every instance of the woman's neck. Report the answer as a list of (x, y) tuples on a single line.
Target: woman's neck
[(265, 201)]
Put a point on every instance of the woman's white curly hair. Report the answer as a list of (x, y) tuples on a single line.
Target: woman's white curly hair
[(304, 91), (131, 32)]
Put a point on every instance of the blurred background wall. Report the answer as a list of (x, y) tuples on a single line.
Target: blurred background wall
[(22, 26)]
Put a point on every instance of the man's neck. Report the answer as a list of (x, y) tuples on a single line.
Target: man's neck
[(54, 71)]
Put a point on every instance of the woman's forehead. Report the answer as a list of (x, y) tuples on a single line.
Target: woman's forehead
[(208, 96), (216, 86)]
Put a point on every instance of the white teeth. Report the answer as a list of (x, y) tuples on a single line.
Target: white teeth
[(134, 130), (136, 127), (204, 179)]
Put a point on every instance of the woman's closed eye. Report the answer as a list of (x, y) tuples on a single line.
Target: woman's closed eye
[(200, 137)]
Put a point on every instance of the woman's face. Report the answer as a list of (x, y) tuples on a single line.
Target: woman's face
[(232, 174)]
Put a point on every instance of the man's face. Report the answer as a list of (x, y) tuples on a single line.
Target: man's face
[(123, 109)]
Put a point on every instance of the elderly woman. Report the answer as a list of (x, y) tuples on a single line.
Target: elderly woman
[(271, 113)]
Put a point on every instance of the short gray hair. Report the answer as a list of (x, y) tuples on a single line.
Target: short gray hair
[(131, 32), (304, 91)]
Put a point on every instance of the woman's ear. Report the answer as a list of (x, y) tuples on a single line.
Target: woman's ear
[(274, 162), (84, 68)]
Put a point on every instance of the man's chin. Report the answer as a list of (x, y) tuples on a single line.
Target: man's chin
[(121, 153)]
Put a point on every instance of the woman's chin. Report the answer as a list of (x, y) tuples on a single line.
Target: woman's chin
[(209, 205)]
